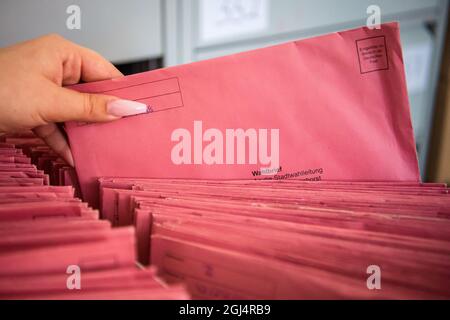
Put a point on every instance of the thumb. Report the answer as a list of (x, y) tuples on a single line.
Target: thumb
[(70, 105)]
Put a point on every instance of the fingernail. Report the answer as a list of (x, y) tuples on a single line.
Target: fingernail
[(67, 155), (123, 108)]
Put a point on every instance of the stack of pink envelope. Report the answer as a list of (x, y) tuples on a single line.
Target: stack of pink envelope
[(31, 149), (53, 246), (288, 239)]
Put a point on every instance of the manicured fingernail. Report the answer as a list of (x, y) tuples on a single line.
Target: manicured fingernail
[(123, 108)]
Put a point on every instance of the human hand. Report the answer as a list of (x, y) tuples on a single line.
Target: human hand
[(32, 74)]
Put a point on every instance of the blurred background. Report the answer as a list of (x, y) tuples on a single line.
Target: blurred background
[(140, 35)]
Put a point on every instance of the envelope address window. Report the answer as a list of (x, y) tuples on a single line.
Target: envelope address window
[(159, 95)]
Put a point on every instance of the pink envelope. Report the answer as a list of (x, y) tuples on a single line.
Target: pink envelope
[(23, 287), (217, 273), (117, 251), (334, 107)]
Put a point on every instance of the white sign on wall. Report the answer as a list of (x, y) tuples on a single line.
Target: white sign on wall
[(417, 66), (229, 18)]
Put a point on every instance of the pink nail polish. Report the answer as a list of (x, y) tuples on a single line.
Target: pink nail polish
[(123, 108)]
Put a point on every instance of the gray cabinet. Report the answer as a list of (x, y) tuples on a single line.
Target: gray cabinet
[(121, 31)]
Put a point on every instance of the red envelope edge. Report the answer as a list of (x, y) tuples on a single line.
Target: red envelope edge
[(339, 103)]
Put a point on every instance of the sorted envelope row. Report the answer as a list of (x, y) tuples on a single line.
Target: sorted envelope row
[(53, 246), (288, 239)]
